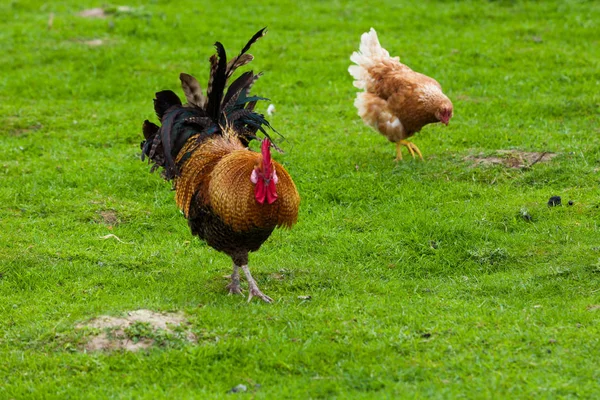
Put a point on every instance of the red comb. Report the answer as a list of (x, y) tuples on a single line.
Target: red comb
[(265, 150)]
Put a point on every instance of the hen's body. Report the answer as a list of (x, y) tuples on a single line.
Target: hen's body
[(396, 101), (233, 198)]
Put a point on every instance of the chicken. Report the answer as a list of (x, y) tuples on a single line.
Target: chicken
[(396, 100), (232, 197)]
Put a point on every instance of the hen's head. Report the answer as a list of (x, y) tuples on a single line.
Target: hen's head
[(264, 176), (444, 112)]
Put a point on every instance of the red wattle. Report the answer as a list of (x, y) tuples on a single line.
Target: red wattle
[(260, 191), (271, 192), (264, 192)]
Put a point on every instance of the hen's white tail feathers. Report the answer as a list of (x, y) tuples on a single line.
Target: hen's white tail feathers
[(370, 46), (370, 53)]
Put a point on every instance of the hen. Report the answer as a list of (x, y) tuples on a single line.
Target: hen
[(233, 198), (396, 100)]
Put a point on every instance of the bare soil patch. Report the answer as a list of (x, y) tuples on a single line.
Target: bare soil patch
[(512, 158), (109, 217), (140, 329), (93, 13)]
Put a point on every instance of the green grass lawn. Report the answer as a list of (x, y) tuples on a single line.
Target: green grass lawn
[(435, 279)]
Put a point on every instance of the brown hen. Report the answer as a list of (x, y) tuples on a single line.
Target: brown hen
[(396, 100)]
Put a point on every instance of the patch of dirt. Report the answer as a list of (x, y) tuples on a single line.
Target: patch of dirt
[(93, 13), (24, 131), (593, 307), (115, 332), (94, 42), (107, 11), (109, 217), (512, 158)]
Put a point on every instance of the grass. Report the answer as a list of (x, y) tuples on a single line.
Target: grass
[(426, 281)]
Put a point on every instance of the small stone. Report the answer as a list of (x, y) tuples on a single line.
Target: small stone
[(238, 389), (554, 201), (526, 216)]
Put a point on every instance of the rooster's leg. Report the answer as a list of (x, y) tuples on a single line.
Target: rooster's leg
[(234, 286), (253, 287), (412, 148)]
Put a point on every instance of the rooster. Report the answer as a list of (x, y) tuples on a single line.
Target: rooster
[(232, 197), (396, 100)]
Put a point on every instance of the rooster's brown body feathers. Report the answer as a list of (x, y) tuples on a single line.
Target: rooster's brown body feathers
[(216, 195)]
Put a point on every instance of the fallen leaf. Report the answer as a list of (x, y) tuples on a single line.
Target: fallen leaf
[(113, 236)]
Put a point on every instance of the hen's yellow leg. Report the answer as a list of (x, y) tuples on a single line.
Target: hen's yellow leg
[(398, 152), (412, 148)]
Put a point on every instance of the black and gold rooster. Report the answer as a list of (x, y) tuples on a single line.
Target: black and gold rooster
[(232, 197)]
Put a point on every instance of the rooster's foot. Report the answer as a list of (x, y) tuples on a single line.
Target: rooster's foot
[(234, 287), (253, 287), (412, 148), (255, 291)]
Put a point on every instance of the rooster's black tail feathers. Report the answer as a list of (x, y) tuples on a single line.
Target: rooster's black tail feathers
[(205, 115)]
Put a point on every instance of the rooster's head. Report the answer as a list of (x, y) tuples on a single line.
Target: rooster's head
[(264, 176)]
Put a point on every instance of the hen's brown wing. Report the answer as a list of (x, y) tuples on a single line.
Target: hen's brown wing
[(405, 93)]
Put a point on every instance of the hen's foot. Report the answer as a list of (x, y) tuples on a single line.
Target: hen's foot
[(253, 287), (412, 149)]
